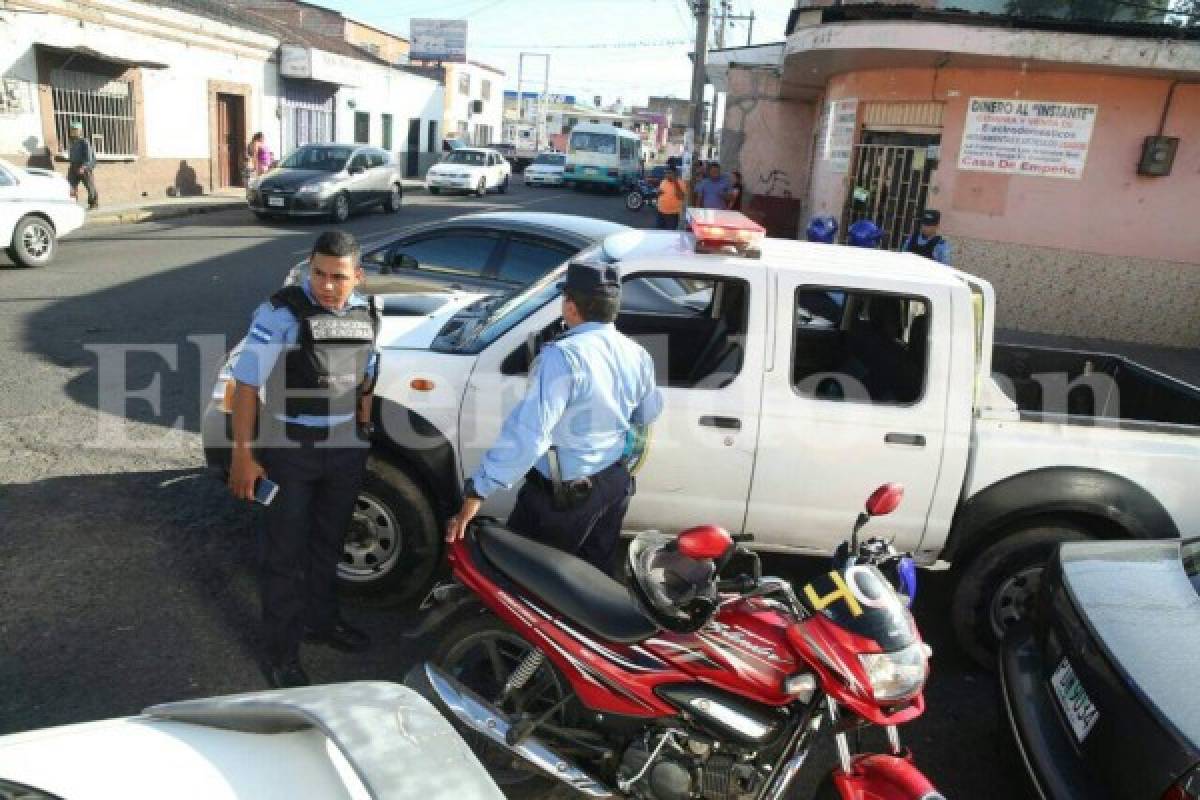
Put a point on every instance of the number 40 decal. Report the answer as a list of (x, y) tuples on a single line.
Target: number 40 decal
[(850, 593)]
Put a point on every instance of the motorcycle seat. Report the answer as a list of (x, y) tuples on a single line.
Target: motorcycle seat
[(569, 585)]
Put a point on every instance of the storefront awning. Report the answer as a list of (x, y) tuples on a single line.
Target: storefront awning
[(88, 52)]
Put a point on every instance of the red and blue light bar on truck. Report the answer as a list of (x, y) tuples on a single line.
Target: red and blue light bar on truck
[(720, 231)]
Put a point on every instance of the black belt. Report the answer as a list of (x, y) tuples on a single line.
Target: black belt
[(573, 493)]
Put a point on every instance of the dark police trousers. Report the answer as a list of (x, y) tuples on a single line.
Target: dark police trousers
[(304, 533), (590, 530)]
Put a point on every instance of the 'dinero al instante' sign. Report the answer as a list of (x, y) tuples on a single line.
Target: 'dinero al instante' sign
[(1027, 137)]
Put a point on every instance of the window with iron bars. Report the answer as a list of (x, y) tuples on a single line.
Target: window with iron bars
[(103, 104)]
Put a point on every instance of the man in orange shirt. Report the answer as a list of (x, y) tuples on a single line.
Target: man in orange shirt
[(671, 194)]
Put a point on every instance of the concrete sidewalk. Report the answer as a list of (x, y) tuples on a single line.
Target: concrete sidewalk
[(151, 210)]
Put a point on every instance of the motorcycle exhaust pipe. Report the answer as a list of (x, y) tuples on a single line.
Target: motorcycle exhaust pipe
[(478, 715)]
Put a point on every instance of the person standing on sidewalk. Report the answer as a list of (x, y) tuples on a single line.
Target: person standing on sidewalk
[(82, 164), (313, 346), (926, 241), (671, 196), (567, 436), (714, 190), (737, 190)]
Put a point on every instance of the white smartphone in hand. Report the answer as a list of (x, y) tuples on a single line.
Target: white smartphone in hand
[(265, 491)]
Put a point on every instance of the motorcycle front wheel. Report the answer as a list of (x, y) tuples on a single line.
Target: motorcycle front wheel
[(482, 653)]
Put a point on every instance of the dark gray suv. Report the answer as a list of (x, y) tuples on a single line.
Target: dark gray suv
[(328, 180)]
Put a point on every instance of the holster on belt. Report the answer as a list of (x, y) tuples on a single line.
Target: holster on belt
[(564, 495)]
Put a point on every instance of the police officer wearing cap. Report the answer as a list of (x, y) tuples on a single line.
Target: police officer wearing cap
[(926, 242), (313, 347), (567, 436)]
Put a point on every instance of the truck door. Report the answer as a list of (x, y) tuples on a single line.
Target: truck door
[(704, 332), (855, 397)]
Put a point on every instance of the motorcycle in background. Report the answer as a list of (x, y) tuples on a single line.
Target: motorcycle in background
[(642, 194), (685, 684)]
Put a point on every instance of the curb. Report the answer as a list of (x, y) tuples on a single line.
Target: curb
[(153, 214)]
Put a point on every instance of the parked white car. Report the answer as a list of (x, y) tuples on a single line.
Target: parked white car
[(470, 169), (546, 170), (36, 209), (348, 741)]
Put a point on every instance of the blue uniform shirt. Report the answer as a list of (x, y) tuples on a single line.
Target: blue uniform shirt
[(712, 191), (272, 332), (586, 390), (941, 251)]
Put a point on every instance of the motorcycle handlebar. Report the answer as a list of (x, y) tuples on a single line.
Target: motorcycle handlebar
[(739, 585)]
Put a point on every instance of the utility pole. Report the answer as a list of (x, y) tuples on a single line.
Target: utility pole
[(700, 7)]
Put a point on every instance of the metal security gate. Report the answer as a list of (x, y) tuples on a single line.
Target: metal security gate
[(308, 113), (889, 185)]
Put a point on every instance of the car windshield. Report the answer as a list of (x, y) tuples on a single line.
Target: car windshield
[(472, 157), (551, 159), (486, 320), (605, 143), (323, 159)]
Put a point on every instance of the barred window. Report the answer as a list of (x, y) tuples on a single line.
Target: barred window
[(103, 104)]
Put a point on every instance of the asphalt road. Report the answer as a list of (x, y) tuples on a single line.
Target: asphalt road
[(126, 573)]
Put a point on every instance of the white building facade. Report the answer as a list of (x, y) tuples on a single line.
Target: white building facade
[(170, 98)]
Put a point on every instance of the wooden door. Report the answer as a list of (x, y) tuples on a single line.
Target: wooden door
[(231, 139)]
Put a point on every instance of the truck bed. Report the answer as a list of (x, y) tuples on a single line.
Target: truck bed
[(1049, 382)]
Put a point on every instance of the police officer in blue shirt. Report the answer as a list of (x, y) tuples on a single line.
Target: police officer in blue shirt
[(313, 347), (567, 436), (926, 241)]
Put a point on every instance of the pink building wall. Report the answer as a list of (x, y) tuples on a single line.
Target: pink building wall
[(1110, 211)]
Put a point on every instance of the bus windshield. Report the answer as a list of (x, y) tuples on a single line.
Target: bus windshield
[(605, 143)]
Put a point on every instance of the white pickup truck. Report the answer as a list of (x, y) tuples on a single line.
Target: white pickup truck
[(795, 383)]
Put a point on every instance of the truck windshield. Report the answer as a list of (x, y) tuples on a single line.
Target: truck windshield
[(471, 330)]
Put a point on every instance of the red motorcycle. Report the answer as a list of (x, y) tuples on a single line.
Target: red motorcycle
[(684, 684)]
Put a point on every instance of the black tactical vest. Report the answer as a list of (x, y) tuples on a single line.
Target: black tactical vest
[(923, 249), (326, 367)]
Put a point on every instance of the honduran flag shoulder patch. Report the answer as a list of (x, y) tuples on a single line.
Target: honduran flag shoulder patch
[(260, 333)]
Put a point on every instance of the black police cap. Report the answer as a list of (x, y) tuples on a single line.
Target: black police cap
[(931, 217), (588, 277)]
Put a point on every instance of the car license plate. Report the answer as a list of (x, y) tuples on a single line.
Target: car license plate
[(1076, 705), (275, 201)]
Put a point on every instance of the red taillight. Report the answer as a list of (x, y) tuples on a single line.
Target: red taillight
[(885, 499), (705, 541)]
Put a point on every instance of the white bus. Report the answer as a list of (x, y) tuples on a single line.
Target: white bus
[(602, 155)]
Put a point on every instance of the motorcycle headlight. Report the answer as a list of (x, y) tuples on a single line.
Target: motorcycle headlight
[(314, 188), (898, 675)]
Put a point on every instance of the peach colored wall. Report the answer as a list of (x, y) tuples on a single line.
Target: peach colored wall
[(1111, 211), (768, 139)]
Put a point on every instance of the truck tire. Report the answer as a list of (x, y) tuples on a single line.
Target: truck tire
[(996, 588), (393, 545)]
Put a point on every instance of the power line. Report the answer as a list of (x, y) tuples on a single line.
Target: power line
[(598, 46)]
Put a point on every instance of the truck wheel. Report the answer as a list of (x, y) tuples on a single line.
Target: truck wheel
[(393, 545), (340, 211), (998, 588)]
